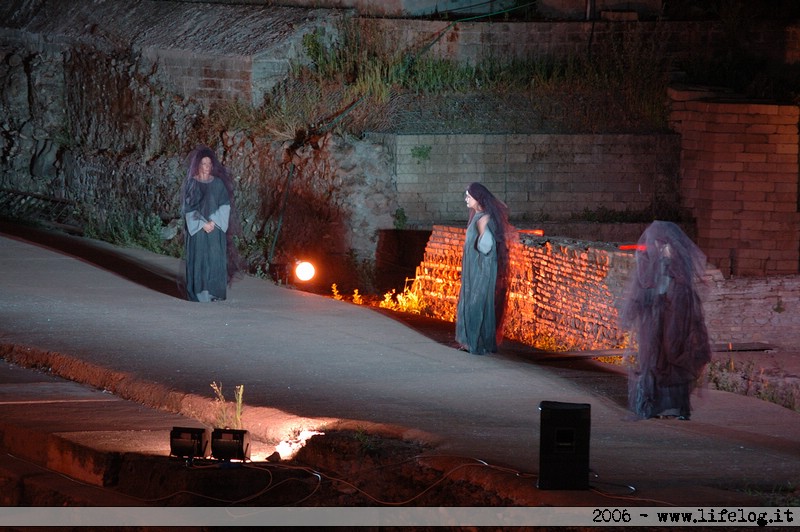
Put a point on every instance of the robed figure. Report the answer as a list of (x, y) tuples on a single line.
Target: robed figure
[(484, 273), (211, 259), (664, 315)]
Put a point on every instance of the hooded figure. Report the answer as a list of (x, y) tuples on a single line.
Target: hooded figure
[(664, 314), (484, 273), (210, 216)]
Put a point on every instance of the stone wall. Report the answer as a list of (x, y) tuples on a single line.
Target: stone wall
[(739, 179), (100, 102), (474, 41), (565, 294), (540, 177), (561, 9), (209, 52), (754, 310)]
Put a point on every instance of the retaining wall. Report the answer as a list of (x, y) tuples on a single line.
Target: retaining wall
[(739, 179), (566, 294), (474, 41), (540, 177)]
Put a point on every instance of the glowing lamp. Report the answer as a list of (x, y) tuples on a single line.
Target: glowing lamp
[(304, 271)]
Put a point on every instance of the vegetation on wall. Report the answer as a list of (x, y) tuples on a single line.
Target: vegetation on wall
[(615, 87), (353, 79)]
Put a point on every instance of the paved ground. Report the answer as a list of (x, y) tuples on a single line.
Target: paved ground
[(142, 361)]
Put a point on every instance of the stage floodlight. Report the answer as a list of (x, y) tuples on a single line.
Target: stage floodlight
[(564, 446), (189, 442), (304, 271), (230, 444)]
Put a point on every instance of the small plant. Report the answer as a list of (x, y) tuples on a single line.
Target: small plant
[(388, 300), (224, 417), (781, 495), (254, 252), (369, 444), (745, 378), (421, 153), (409, 301), (400, 218), (335, 291), (357, 298)]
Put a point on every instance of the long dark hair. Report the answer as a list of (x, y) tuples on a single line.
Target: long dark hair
[(501, 230)]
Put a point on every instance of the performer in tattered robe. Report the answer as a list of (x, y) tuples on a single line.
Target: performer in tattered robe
[(484, 273), (211, 259), (664, 314)]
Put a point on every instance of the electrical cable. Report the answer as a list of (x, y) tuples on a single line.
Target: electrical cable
[(265, 467)]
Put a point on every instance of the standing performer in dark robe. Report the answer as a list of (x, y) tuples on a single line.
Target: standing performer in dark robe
[(208, 210), (664, 313), (484, 273)]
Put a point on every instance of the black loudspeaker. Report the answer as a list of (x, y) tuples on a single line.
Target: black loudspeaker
[(230, 444), (189, 442), (564, 446)]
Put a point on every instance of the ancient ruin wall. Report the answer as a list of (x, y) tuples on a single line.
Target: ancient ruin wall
[(565, 294), (739, 166), (540, 176), (473, 41), (562, 293)]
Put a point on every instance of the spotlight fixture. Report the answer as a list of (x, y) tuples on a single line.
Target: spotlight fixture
[(189, 442), (304, 270), (230, 444)]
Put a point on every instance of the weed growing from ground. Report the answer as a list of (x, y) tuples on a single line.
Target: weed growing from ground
[(225, 419), (745, 378)]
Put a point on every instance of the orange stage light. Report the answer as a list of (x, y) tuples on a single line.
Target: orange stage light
[(633, 247), (304, 271)]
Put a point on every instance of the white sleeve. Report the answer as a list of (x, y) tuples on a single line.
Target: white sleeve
[(194, 222), (486, 242), (221, 217)]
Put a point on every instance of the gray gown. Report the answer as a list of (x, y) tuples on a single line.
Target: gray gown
[(206, 253), (476, 324)]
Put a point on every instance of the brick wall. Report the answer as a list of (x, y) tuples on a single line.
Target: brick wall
[(562, 293), (208, 78), (565, 294), (739, 166), (540, 177)]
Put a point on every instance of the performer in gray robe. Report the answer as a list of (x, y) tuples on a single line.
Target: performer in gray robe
[(211, 259), (664, 314), (484, 272)]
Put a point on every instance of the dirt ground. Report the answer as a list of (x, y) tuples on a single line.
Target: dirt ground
[(345, 468)]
